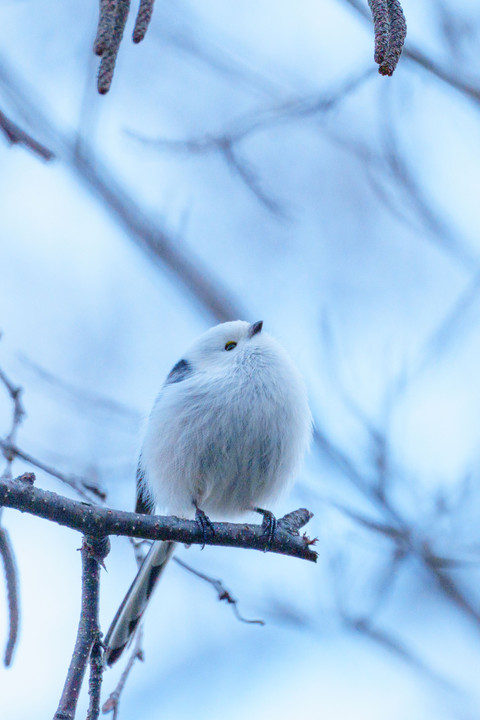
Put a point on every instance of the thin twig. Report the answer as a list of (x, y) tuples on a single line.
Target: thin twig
[(17, 416), (93, 551), (404, 176), (144, 230), (113, 701), (278, 113), (223, 593), (250, 179), (88, 489), (397, 528), (16, 136), (11, 581), (86, 399), (395, 646), (226, 143), (96, 521)]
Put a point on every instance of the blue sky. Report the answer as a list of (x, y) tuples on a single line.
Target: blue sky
[(356, 274)]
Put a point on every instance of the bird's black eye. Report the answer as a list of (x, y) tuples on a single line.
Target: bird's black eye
[(230, 345)]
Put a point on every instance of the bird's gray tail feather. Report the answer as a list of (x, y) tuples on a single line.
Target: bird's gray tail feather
[(136, 600)]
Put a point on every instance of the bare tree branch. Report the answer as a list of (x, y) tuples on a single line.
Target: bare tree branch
[(404, 177), (16, 136), (226, 143), (98, 521), (112, 703), (92, 401), (86, 488), (397, 528), (93, 550), (223, 593), (395, 646), (97, 668), (11, 581), (146, 232), (17, 416)]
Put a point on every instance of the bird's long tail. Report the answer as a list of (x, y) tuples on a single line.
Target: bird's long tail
[(136, 600)]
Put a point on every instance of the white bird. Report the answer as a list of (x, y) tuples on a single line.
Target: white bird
[(227, 433)]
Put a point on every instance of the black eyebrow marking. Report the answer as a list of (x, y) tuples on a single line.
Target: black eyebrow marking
[(179, 372)]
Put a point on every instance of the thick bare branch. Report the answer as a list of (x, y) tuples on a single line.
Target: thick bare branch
[(93, 550), (98, 521), (97, 667)]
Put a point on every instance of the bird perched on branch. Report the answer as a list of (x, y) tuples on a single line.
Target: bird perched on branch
[(226, 435)]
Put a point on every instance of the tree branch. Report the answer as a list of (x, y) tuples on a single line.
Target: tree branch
[(142, 228), (97, 667), (98, 521), (93, 551), (17, 417), (11, 580), (112, 703), (16, 136), (84, 487), (223, 593)]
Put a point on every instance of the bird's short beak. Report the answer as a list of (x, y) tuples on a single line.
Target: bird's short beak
[(255, 328)]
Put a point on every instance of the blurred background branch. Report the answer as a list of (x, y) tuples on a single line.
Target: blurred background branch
[(265, 171)]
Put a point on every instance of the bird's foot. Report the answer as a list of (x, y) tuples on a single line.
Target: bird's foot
[(205, 525), (269, 525)]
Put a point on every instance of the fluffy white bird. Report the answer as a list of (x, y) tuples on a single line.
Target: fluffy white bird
[(226, 435)]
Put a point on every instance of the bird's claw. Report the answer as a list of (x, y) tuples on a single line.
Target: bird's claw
[(269, 525), (205, 525)]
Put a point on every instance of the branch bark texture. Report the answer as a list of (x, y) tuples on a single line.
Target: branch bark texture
[(93, 551), (97, 521), (11, 579)]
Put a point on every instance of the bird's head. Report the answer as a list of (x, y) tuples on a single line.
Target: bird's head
[(228, 344)]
